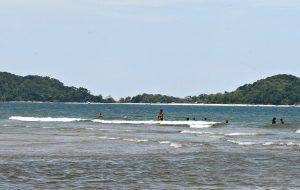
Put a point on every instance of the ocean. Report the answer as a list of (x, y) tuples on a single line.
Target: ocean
[(66, 146)]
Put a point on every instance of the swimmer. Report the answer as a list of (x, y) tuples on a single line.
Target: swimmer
[(160, 116), (281, 121)]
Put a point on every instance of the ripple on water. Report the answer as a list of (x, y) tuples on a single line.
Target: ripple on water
[(246, 143)]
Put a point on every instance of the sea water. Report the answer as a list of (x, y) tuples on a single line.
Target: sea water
[(65, 146)]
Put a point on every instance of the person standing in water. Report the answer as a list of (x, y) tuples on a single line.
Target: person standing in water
[(160, 116), (100, 116), (281, 121), (274, 121)]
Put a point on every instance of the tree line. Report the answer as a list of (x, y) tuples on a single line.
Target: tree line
[(278, 89)]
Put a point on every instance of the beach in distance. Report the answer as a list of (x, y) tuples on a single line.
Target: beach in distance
[(67, 145), (162, 104), (201, 104)]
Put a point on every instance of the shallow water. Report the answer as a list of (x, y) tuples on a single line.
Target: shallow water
[(63, 146)]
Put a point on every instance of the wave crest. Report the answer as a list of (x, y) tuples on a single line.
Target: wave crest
[(192, 124), (171, 144), (222, 134), (45, 119), (244, 143)]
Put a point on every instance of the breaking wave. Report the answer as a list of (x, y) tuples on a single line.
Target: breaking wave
[(120, 138), (46, 119), (198, 132), (192, 124), (171, 144), (222, 134), (244, 143), (246, 134)]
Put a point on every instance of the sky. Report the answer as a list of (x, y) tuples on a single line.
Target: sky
[(173, 47)]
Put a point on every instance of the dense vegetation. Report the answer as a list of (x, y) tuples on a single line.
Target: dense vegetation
[(36, 88), (151, 98), (279, 89)]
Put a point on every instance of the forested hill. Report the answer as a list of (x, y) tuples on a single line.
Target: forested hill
[(37, 88), (279, 89)]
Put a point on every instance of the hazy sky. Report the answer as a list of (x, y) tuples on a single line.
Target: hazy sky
[(173, 47)]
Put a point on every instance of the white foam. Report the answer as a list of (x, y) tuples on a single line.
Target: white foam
[(123, 122), (293, 144), (48, 127), (45, 119), (108, 138), (281, 144), (197, 132), (222, 134), (135, 140), (175, 145), (298, 131), (164, 142), (244, 134), (192, 124), (199, 126), (266, 143), (122, 139), (119, 130), (243, 143), (172, 144)]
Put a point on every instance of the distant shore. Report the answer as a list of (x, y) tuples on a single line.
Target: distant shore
[(163, 104), (229, 105), (191, 104)]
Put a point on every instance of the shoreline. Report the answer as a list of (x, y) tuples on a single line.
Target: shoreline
[(162, 104), (220, 105)]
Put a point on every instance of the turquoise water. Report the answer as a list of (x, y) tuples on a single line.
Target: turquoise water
[(63, 146)]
